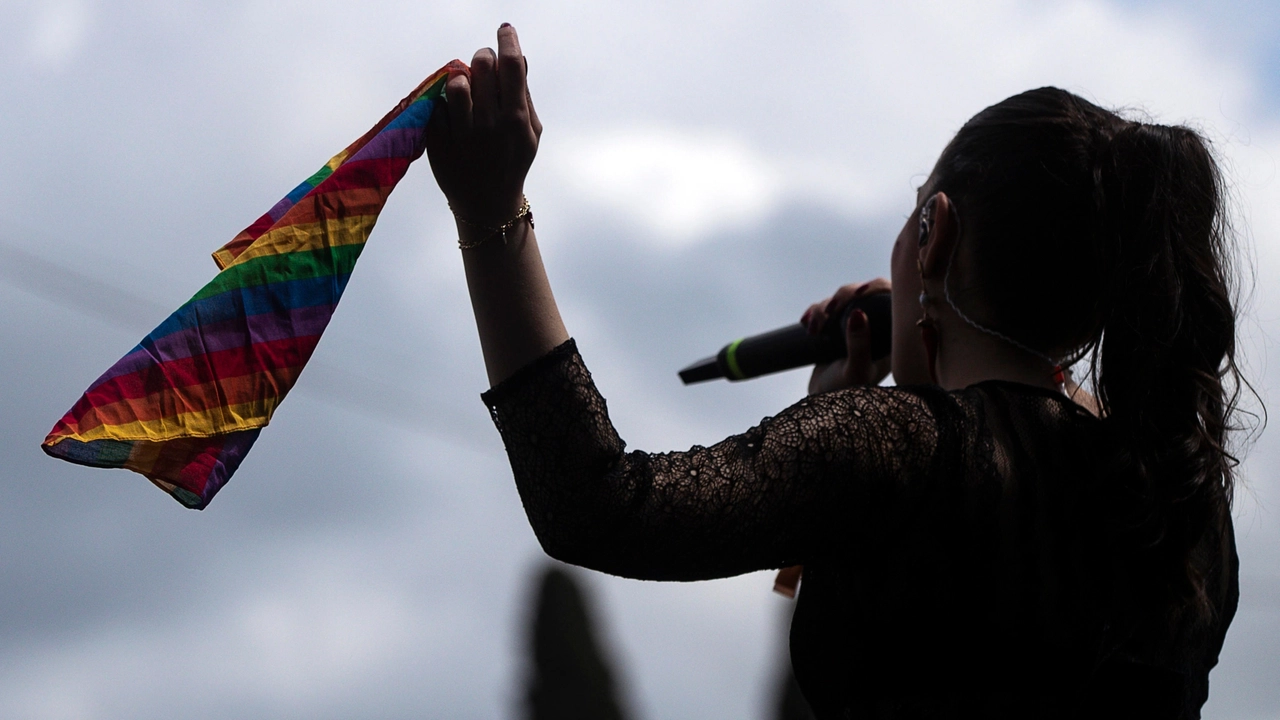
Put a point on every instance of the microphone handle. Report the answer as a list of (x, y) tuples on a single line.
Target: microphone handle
[(792, 346)]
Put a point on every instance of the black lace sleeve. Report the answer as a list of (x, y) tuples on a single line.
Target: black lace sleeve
[(770, 497)]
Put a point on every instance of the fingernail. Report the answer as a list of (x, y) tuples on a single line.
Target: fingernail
[(804, 319), (857, 320), (504, 25)]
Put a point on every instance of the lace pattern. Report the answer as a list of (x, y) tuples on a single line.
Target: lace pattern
[(957, 550), (772, 496)]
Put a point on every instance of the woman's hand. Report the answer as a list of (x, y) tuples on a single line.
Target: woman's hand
[(480, 146), (483, 141), (856, 368)]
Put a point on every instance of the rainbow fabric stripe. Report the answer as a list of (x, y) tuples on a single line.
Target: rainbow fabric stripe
[(185, 406)]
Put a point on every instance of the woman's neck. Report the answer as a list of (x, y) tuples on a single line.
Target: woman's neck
[(967, 356)]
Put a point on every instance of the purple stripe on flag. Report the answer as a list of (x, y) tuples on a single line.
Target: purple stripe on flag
[(278, 210), (237, 445), (392, 142)]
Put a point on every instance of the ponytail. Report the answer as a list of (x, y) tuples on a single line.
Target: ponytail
[(1165, 372)]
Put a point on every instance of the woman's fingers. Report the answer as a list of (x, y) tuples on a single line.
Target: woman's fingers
[(848, 293), (857, 367), (484, 89), (815, 317), (857, 338), (853, 291), (879, 285), (498, 89), (512, 90), (457, 93)]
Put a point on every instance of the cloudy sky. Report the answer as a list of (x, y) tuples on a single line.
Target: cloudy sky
[(707, 170)]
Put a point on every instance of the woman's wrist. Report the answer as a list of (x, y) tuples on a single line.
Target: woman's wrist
[(489, 208), (472, 232)]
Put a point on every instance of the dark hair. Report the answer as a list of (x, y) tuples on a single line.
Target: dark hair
[(1088, 235)]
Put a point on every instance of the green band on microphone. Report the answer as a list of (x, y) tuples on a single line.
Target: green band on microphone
[(731, 359)]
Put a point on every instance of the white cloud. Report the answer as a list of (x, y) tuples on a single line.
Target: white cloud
[(58, 31), (678, 185)]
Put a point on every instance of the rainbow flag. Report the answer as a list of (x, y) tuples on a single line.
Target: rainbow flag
[(185, 406)]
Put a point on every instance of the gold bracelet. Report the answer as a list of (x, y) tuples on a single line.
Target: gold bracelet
[(523, 214)]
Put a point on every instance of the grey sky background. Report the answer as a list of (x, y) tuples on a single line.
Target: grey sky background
[(707, 170)]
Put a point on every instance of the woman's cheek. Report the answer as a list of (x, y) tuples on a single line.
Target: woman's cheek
[(908, 362)]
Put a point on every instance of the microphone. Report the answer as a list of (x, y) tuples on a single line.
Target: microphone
[(792, 346)]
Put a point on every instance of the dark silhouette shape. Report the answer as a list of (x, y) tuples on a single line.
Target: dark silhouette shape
[(788, 702), (791, 704), (570, 678)]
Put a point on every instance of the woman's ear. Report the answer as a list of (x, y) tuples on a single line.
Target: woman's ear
[(939, 234)]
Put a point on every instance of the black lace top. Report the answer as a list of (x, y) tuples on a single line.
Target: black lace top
[(958, 558)]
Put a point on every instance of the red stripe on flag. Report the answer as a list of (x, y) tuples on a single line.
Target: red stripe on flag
[(255, 387), (197, 370)]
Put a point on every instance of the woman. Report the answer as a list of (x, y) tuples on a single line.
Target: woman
[(975, 542)]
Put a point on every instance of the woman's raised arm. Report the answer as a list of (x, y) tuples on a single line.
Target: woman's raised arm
[(480, 147)]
